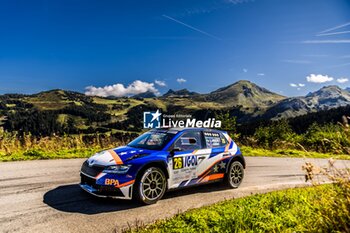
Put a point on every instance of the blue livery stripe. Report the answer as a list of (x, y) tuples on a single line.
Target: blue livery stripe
[(231, 145), (216, 151)]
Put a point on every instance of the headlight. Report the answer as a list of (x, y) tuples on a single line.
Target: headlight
[(118, 169)]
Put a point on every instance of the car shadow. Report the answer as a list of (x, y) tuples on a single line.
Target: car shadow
[(72, 199)]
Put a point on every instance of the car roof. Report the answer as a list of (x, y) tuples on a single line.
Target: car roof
[(176, 130)]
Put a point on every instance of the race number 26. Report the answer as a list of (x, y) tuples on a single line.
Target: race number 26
[(177, 163)]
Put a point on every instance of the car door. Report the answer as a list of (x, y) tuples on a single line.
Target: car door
[(188, 153), (214, 166)]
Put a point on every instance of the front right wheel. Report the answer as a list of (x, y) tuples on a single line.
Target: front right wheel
[(234, 175), (151, 186)]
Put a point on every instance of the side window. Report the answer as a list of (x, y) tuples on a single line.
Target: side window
[(214, 139), (223, 140), (189, 141)]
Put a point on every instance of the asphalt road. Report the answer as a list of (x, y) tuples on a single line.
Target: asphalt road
[(44, 196)]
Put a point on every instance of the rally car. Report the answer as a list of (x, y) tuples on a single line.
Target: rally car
[(161, 160)]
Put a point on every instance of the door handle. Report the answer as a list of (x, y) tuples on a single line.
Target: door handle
[(201, 157)]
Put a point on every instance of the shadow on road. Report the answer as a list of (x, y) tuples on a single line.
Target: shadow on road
[(71, 198)]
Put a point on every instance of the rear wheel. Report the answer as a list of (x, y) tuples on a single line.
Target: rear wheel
[(234, 175), (151, 186)]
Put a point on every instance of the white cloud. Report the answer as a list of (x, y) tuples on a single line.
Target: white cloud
[(325, 42), (298, 86), (316, 55), (119, 90), (336, 27), (181, 80), (339, 65), (260, 74), (160, 83), (342, 80), (297, 61), (245, 70), (333, 33), (318, 78)]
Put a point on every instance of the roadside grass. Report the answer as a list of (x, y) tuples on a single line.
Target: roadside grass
[(36, 153), (292, 210), (289, 153)]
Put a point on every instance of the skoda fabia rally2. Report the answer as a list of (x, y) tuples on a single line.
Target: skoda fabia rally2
[(161, 160)]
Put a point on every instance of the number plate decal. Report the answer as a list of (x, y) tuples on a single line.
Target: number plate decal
[(178, 163)]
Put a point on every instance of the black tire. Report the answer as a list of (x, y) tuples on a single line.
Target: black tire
[(150, 186), (234, 175)]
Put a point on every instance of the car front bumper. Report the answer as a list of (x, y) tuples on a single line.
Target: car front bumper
[(89, 184)]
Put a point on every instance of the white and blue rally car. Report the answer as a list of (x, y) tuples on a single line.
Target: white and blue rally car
[(163, 159)]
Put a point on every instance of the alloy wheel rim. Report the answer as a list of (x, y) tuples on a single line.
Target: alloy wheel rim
[(236, 174), (153, 185)]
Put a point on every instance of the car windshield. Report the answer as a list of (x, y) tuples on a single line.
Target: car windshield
[(155, 140)]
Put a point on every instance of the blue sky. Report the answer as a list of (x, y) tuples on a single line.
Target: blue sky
[(71, 45)]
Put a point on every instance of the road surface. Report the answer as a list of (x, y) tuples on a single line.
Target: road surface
[(44, 196)]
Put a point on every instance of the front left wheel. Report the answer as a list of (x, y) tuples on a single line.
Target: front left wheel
[(151, 186)]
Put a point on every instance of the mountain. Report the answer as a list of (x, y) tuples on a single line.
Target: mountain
[(347, 89), (60, 111), (147, 94), (180, 93), (244, 93), (47, 100), (327, 97)]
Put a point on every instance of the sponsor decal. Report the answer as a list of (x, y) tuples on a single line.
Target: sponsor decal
[(113, 182), (156, 120), (185, 162), (213, 139), (191, 161), (211, 134)]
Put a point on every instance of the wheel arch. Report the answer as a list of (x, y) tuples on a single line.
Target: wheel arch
[(159, 164), (238, 158)]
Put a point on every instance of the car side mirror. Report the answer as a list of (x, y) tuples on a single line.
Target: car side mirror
[(176, 149)]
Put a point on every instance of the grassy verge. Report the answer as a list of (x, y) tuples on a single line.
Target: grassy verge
[(293, 210), (290, 153), (40, 154), (87, 152)]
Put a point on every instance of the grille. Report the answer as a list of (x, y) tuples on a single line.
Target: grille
[(87, 180), (101, 189), (110, 191), (91, 171)]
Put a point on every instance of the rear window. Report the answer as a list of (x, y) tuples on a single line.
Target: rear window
[(214, 139)]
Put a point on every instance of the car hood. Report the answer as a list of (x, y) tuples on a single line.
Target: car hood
[(118, 155)]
